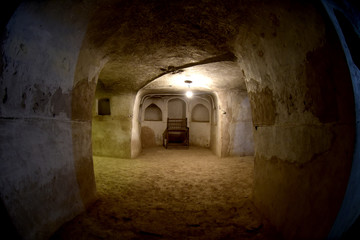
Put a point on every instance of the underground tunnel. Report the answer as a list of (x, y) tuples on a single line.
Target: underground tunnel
[(275, 84)]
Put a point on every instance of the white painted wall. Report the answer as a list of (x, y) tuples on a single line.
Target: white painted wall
[(200, 130), (200, 134), (173, 107)]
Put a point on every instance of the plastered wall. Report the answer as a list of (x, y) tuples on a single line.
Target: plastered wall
[(227, 129), (152, 131)]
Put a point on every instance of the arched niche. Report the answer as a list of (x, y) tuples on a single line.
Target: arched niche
[(176, 108), (153, 113), (200, 113)]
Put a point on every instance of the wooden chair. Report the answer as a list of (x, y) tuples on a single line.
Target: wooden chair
[(176, 132)]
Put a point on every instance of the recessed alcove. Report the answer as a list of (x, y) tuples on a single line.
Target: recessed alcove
[(104, 106), (200, 114), (176, 108), (153, 113)]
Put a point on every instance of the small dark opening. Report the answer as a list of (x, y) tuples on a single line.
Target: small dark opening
[(104, 106)]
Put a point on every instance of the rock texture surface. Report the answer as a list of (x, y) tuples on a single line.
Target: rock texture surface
[(55, 54)]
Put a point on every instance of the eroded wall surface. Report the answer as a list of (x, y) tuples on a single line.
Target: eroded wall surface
[(38, 178), (111, 134), (303, 113), (236, 124)]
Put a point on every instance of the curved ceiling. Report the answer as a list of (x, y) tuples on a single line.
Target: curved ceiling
[(164, 42)]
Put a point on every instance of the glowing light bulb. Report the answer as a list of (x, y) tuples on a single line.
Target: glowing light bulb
[(189, 94)]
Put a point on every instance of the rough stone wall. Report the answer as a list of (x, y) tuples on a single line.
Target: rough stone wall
[(236, 124), (136, 145), (215, 129), (39, 181), (303, 114), (88, 67), (111, 134)]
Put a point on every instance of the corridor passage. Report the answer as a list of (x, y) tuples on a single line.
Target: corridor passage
[(174, 193)]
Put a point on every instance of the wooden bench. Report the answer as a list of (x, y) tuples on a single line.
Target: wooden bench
[(176, 132)]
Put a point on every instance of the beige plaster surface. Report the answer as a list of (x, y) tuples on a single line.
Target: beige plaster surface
[(173, 193)]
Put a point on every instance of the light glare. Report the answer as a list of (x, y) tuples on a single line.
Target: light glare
[(189, 94)]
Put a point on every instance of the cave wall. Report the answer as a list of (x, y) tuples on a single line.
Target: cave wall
[(303, 114), (39, 179), (231, 128), (236, 124), (215, 128), (111, 134)]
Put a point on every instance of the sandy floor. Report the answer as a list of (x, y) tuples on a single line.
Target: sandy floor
[(171, 194)]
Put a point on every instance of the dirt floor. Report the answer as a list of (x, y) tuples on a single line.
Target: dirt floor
[(171, 194)]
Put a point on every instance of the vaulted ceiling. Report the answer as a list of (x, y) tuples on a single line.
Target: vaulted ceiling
[(169, 41)]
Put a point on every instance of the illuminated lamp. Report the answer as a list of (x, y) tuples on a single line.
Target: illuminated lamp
[(189, 93)]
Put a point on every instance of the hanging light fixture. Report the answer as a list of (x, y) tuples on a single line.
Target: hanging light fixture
[(189, 93)]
